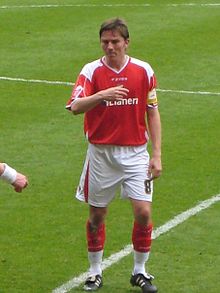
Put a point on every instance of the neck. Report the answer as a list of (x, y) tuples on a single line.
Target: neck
[(114, 63)]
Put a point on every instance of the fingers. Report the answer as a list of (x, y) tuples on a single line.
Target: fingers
[(116, 93), (20, 183), (155, 169), (18, 189), (154, 175), (120, 92)]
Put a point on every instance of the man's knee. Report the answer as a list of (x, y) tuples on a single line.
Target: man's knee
[(143, 217), (97, 216), (142, 212)]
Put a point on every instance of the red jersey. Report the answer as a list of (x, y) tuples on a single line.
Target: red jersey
[(117, 122)]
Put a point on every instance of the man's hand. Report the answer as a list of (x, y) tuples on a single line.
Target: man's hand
[(20, 183), (155, 168), (114, 93)]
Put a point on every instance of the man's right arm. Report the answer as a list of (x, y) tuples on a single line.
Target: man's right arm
[(84, 104)]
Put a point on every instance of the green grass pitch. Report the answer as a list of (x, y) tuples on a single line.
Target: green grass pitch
[(42, 230)]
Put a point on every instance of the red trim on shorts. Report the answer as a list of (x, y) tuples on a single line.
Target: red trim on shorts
[(86, 184)]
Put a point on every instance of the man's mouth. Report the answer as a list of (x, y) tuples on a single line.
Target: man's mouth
[(111, 54)]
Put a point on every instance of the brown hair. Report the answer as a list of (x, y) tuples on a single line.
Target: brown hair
[(115, 24)]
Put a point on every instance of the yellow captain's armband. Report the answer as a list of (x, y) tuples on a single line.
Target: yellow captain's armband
[(152, 98)]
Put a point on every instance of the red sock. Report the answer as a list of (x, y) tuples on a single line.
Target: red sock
[(141, 237), (95, 238)]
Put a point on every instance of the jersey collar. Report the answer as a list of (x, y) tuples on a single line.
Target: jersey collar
[(114, 70)]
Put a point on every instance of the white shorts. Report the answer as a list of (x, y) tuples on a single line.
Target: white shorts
[(107, 168)]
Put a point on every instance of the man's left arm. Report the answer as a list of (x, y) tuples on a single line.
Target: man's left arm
[(154, 127)]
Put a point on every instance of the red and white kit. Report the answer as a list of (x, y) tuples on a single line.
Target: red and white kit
[(116, 123)]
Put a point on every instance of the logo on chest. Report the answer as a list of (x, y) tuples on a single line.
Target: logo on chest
[(117, 79), (122, 102)]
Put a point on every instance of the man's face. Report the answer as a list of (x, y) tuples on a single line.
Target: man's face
[(113, 44)]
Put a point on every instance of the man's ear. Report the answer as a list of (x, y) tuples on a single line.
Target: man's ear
[(127, 42)]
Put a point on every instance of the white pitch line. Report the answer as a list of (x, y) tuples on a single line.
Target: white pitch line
[(195, 4), (116, 257), (189, 92), (106, 5), (35, 80), (56, 82), (72, 5)]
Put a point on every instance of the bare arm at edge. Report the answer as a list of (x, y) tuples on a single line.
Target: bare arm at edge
[(154, 127)]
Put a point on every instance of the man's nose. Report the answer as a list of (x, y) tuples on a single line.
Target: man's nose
[(110, 46)]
